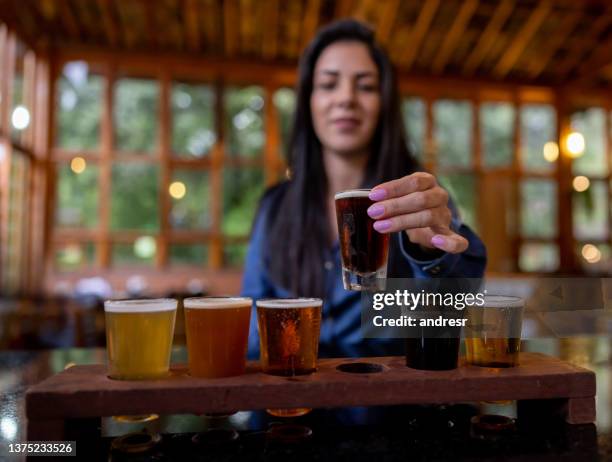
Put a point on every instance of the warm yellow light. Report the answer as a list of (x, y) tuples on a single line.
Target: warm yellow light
[(591, 253), (551, 151), (575, 144), (581, 183), (78, 165), (177, 189)]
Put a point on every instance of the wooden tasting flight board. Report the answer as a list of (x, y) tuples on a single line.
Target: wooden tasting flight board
[(86, 391)]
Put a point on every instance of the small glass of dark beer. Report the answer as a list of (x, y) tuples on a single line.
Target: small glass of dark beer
[(493, 332), (364, 250), (289, 340)]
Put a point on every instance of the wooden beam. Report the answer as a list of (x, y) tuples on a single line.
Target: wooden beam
[(270, 31), (388, 16), (522, 38), (343, 9), (292, 25), (152, 32), (165, 148), (231, 27), (311, 21), (554, 42), (109, 22), (247, 21), (454, 34), (212, 13), (424, 20), (489, 36), (103, 255), (69, 20), (595, 64), (192, 24), (216, 180)]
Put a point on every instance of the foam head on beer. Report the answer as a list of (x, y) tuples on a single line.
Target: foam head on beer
[(139, 337), (217, 330)]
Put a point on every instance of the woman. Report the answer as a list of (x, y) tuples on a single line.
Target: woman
[(348, 133)]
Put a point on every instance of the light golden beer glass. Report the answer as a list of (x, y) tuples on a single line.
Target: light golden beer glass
[(139, 337), (493, 332), (289, 340), (217, 331)]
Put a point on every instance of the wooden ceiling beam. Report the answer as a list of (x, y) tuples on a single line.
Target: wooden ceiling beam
[(270, 30), (311, 21), (424, 20), (230, 27), (388, 16), (151, 31), (452, 38), (599, 60), (192, 24), (522, 38), (109, 22), (69, 20), (248, 33), (489, 36), (555, 41)]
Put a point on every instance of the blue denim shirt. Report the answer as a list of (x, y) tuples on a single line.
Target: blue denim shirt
[(340, 327)]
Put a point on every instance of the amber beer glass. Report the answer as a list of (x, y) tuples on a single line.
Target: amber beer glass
[(364, 250), (217, 331), (139, 337), (493, 332), (289, 340)]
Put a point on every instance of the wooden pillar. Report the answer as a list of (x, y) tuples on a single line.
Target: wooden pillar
[(103, 255), (165, 177), (272, 131), (216, 181), (516, 182)]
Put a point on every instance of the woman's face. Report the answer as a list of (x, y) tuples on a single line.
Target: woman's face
[(345, 100)]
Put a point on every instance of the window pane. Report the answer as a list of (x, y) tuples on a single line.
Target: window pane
[(453, 132), (284, 101), (234, 254), (135, 197), (135, 115), (462, 189), (242, 189), (74, 256), (592, 124), (538, 126), (20, 116), (139, 253), (188, 254), (591, 212), (244, 121), (190, 200), (193, 123), (77, 197), (539, 257), (79, 105), (497, 133), (413, 112), (538, 208)]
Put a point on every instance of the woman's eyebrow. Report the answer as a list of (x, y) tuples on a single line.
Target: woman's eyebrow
[(358, 75)]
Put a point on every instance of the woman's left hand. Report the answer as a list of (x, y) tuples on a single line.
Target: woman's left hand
[(417, 205)]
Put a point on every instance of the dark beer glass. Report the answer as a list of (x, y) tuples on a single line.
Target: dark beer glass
[(364, 250)]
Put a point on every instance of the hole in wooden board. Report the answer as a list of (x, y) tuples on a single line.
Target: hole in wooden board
[(360, 368)]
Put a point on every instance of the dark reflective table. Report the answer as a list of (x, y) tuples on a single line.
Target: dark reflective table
[(389, 433)]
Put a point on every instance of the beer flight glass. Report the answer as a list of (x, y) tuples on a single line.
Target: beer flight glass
[(217, 330), (364, 250), (289, 340), (493, 334)]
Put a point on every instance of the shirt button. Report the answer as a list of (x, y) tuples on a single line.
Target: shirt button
[(435, 270), (328, 265)]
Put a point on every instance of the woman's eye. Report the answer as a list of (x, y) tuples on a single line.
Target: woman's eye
[(368, 87), (326, 85)]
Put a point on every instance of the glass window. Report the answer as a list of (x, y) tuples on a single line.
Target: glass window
[(234, 254), (413, 112), (135, 115), (244, 121), (74, 256), (79, 106), (135, 197), (462, 189), (284, 101), (538, 208), (190, 194), (539, 257), (139, 253), (242, 189), (592, 124), (590, 212), (593, 257), (193, 122), (453, 133), (20, 115), (497, 133), (538, 126), (188, 254), (77, 195)]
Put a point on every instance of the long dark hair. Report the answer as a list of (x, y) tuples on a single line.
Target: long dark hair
[(298, 227)]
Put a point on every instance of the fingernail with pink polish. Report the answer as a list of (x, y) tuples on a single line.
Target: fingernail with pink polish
[(438, 240), (376, 210), (377, 194), (382, 225)]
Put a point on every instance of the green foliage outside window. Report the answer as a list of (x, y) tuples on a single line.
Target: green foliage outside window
[(244, 121), (135, 115), (453, 133), (77, 197), (135, 197), (193, 128), (497, 134)]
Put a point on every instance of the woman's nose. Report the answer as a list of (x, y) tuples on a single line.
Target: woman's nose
[(346, 93)]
